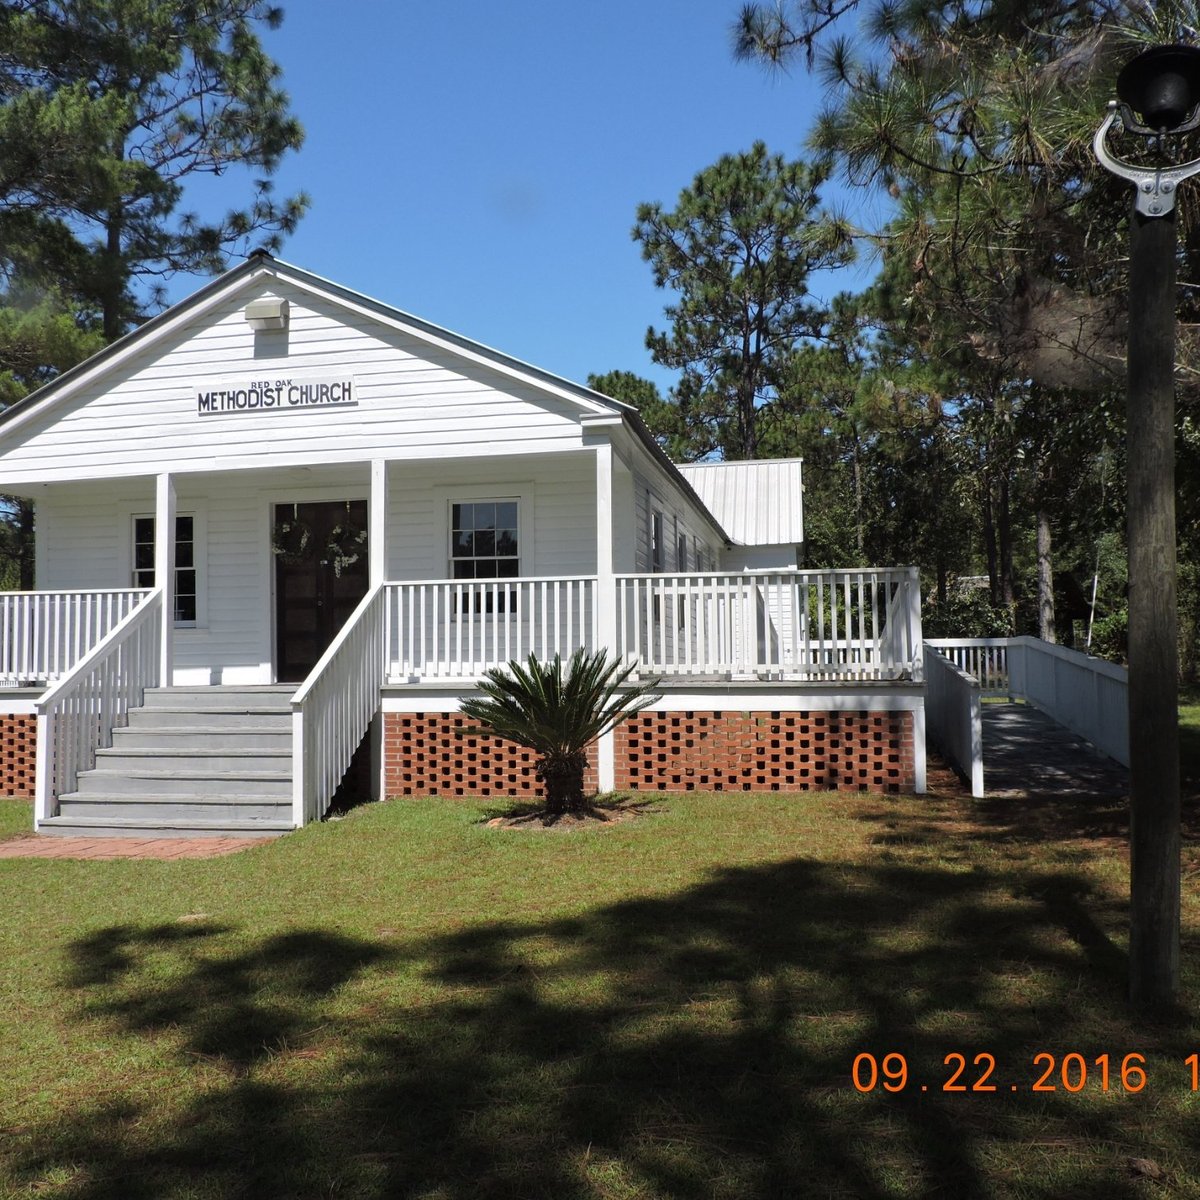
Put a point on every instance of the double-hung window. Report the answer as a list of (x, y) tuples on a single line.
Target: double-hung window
[(187, 591), (485, 543)]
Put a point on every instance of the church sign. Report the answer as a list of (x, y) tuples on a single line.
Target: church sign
[(277, 395)]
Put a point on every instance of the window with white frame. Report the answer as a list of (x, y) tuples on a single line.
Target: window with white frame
[(187, 582), (681, 553), (485, 543), (657, 550)]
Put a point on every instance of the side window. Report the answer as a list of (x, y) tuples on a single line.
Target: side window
[(187, 589), (681, 553), (657, 555)]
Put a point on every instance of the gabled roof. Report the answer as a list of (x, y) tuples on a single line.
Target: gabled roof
[(595, 407), (759, 502), (261, 265)]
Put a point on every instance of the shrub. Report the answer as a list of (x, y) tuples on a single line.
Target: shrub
[(558, 714)]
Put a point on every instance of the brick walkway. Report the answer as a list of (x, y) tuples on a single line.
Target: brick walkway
[(35, 846)]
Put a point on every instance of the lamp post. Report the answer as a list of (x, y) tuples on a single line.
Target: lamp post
[(1162, 87)]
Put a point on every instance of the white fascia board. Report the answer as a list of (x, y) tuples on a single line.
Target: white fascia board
[(827, 695), (199, 465), (674, 695), (484, 356), (139, 340)]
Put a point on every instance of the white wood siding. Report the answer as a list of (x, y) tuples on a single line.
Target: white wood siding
[(678, 518), (84, 534), (415, 402), (558, 512)]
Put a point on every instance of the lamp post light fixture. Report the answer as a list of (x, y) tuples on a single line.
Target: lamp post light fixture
[(1158, 95)]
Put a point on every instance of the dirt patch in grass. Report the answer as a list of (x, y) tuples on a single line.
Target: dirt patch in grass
[(601, 812)]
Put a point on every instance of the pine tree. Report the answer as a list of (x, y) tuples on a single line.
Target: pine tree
[(107, 108), (737, 250)]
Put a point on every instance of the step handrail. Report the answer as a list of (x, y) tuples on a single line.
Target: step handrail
[(333, 708), (77, 715)]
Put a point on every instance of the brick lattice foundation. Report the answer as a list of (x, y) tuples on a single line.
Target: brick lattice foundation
[(668, 751), (18, 754), (424, 756), (766, 752)]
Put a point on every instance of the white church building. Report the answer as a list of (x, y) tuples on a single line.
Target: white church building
[(282, 523)]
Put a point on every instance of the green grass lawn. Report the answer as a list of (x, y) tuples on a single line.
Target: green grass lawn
[(406, 1003), (1189, 739)]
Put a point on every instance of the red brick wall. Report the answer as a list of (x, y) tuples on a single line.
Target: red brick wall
[(18, 754), (671, 751), (424, 756), (766, 752)]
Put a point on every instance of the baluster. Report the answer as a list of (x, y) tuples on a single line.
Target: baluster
[(519, 590), (571, 603), (457, 661), (691, 625)]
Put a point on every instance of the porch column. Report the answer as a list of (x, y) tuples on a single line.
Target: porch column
[(377, 507), (164, 572), (606, 595), (920, 761), (377, 523)]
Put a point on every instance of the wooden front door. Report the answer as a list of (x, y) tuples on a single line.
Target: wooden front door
[(321, 574)]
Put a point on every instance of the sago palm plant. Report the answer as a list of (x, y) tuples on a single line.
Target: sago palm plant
[(558, 712)]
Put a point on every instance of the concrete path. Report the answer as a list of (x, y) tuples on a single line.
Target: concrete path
[(1025, 752)]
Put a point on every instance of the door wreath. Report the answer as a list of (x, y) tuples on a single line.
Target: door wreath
[(345, 545), (292, 540)]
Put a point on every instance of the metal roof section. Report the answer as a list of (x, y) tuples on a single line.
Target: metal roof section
[(758, 503)]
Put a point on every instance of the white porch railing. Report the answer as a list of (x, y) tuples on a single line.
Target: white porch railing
[(1087, 695), (334, 707), (986, 659), (458, 629), (44, 634), (78, 714), (954, 715), (818, 625)]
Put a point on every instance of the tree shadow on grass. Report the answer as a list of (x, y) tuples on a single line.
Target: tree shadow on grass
[(236, 1007), (692, 1045)]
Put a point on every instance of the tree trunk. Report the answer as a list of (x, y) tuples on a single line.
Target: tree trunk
[(989, 541), (112, 286), (562, 779), (859, 532), (1045, 578), (1154, 792), (1004, 536)]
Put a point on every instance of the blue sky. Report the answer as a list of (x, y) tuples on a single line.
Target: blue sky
[(479, 164)]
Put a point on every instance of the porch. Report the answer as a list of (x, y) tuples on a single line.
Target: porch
[(804, 636)]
